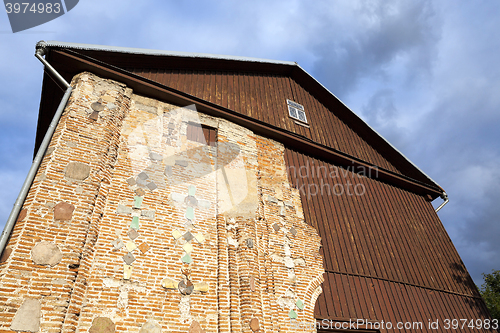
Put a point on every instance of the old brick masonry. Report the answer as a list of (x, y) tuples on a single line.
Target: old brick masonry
[(130, 226)]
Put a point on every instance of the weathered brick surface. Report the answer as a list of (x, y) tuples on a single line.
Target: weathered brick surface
[(146, 175)]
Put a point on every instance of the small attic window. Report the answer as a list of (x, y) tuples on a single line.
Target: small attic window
[(202, 134), (296, 111)]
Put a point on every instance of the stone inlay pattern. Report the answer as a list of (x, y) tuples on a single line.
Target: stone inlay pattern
[(186, 238), (136, 211), (287, 232), (191, 202)]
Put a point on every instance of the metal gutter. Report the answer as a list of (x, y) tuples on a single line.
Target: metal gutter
[(444, 196), (41, 49)]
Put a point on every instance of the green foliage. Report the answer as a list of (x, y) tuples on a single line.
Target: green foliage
[(490, 290)]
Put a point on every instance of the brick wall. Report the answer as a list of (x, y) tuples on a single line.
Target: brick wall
[(131, 227)]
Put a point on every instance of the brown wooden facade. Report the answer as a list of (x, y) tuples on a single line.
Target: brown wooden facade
[(386, 254)]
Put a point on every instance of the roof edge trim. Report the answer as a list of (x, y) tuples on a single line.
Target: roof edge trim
[(119, 49)]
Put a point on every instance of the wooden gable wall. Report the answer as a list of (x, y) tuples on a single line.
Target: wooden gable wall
[(263, 97)]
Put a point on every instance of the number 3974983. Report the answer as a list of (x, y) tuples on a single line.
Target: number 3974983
[(32, 7)]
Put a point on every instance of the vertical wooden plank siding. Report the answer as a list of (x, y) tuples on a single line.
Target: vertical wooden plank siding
[(395, 303), (263, 97), (386, 254), (385, 231)]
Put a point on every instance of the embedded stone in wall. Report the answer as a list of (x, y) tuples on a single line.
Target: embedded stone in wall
[(94, 115), (127, 271), (168, 171), (181, 163), (117, 244), (254, 324), (122, 209), (22, 215), (102, 325), (186, 287), (144, 247), (204, 203), (195, 327), (150, 214), (201, 287), (49, 151), (77, 170), (150, 327), (63, 211), (129, 258), (168, 283), (155, 156), (5, 254), (152, 186), (133, 234), (27, 318), (46, 253), (249, 242), (97, 107)]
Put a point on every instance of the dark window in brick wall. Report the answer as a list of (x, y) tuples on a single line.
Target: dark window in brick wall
[(202, 134)]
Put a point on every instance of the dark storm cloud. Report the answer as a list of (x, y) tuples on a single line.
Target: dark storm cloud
[(382, 32), (462, 152)]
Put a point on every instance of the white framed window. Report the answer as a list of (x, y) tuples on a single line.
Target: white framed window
[(296, 111)]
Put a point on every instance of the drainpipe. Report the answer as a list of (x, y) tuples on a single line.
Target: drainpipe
[(444, 196), (41, 50)]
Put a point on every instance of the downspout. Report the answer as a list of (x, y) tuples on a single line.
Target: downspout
[(41, 50), (444, 196)]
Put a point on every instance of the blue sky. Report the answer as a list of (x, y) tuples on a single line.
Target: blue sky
[(424, 74)]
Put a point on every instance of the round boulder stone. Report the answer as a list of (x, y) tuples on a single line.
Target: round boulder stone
[(77, 171), (186, 287), (102, 325), (46, 253), (254, 324), (63, 211)]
